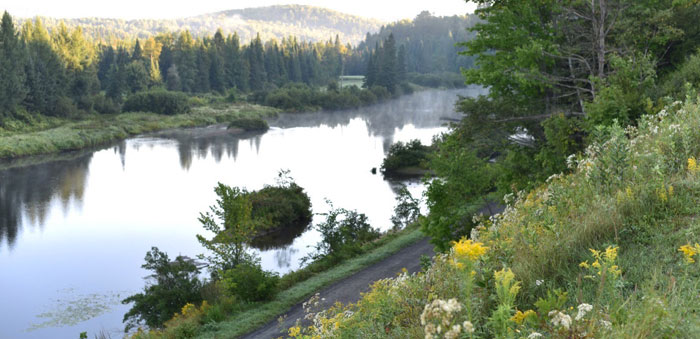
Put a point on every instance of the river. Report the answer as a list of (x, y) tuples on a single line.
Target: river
[(74, 228)]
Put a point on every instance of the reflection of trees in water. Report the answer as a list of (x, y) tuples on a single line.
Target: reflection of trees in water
[(284, 256), (31, 189), (280, 238), (201, 142)]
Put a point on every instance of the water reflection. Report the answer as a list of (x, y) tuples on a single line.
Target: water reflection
[(26, 192)]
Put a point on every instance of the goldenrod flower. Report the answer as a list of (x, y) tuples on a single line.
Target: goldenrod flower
[(584, 264), (519, 317), (610, 253), (466, 248), (692, 165), (294, 331), (689, 252)]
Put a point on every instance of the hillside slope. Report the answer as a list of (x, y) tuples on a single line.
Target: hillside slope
[(608, 251), (307, 23)]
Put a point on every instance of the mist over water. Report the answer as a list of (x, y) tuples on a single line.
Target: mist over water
[(74, 230)]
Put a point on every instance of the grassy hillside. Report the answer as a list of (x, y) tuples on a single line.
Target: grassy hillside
[(307, 23), (608, 251)]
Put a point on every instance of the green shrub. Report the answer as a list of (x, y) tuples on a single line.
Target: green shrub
[(280, 206), (176, 283), (249, 124), (402, 155), (343, 234), (249, 282), (161, 102)]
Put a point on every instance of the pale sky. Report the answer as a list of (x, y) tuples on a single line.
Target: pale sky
[(390, 10)]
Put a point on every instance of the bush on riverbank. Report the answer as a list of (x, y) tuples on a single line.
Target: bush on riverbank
[(158, 101), (406, 156), (299, 97), (608, 251), (250, 124)]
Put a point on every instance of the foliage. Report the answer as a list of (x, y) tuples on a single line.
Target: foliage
[(249, 282), (280, 206), (249, 124), (300, 97), (160, 102), (343, 234), (175, 283), (231, 222), (407, 210), (457, 193), (402, 155)]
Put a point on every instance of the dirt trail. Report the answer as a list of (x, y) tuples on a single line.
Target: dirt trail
[(348, 290)]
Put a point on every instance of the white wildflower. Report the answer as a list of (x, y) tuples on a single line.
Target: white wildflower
[(560, 319), (583, 309), (453, 333), (539, 282), (606, 324), (468, 327), (535, 335)]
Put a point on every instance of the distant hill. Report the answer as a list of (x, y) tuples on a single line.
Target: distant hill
[(307, 23)]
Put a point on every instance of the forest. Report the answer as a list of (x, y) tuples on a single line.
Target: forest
[(62, 72)]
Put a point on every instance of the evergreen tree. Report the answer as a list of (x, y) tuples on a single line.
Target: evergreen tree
[(256, 59), (12, 58), (45, 73), (401, 64), (173, 79), (137, 55), (202, 84)]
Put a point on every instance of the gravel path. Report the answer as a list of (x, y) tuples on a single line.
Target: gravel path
[(348, 290)]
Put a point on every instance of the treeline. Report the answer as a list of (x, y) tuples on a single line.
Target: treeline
[(431, 44)]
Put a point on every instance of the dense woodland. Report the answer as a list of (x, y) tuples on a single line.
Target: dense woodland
[(62, 72)]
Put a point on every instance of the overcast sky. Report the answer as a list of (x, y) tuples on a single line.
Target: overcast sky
[(387, 10)]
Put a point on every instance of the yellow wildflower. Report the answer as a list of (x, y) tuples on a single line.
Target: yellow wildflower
[(692, 165), (466, 248), (519, 317), (596, 264), (610, 253), (584, 264), (670, 191), (504, 276), (294, 331), (187, 309), (628, 192), (689, 252)]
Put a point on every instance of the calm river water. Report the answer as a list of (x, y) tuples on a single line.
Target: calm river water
[(74, 230)]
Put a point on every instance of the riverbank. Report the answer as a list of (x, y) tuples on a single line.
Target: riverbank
[(68, 135), (298, 286)]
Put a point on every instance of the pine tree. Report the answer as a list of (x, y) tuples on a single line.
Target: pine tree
[(45, 73), (401, 67), (137, 55), (12, 58)]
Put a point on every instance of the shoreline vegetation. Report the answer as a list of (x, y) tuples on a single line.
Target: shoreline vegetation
[(59, 135)]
